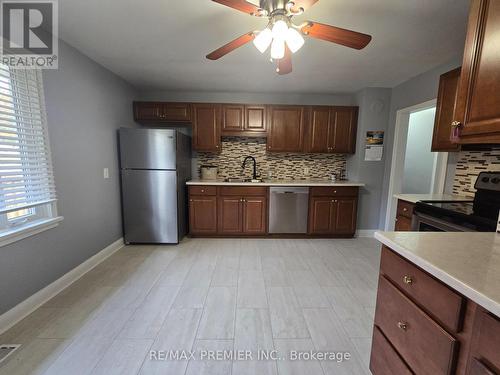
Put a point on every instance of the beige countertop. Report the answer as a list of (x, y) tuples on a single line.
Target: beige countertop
[(276, 183), (414, 198), (467, 262)]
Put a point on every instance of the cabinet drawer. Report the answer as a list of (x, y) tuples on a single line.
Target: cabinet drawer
[(384, 359), (242, 191), (486, 345), (438, 300), (405, 209), (203, 190), (334, 191), (422, 343)]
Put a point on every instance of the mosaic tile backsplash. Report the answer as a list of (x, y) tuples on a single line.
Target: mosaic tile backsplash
[(469, 165), (283, 166)]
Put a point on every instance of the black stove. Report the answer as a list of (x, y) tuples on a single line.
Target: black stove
[(478, 215)]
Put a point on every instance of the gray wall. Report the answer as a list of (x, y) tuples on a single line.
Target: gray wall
[(419, 89), (420, 162), (374, 106), (85, 105)]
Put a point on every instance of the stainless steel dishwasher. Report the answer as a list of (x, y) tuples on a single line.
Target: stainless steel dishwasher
[(288, 209)]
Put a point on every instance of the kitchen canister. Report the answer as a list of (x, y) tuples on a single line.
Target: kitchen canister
[(208, 172)]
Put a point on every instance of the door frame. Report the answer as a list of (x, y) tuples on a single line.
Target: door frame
[(397, 162)]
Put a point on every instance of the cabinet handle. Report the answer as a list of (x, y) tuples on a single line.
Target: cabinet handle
[(403, 326), (407, 279)]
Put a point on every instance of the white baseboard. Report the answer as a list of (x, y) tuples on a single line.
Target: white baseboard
[(366, 233), (23, 309)]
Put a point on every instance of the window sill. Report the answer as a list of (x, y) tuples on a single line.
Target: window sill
[(16, 234)]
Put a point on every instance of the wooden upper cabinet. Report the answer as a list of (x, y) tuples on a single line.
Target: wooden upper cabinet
[(343, 130), (332, 130), (445, 112), (162, 112), (206, 127), (255, 119), (319, 125), (244, 120), (233, 118), (478, 102), (286, 129)]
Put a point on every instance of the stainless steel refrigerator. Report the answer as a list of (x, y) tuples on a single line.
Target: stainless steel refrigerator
[(155, 165)]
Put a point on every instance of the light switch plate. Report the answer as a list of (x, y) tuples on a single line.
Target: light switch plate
[(106, 173)]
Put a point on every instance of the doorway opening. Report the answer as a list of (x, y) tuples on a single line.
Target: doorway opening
[(414, 168)]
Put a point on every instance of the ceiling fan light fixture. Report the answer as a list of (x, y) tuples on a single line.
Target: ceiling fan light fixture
[(263, 40), (294, 40), (278, 49), (280, 29)]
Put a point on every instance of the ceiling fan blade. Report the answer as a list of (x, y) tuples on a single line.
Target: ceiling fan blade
[(231, 46), (285, 64), (304, 4), (337, 35), (241, 5)]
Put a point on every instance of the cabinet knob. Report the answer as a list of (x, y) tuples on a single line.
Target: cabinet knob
[(407, 279), (405, 209), (403, 326), (456, 124), (202, 190), (190, 200), (335, 192)]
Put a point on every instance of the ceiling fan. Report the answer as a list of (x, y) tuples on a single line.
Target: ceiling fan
[(282, 34)]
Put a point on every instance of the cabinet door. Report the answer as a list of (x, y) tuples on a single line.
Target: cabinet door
[(445, 112), (233, 118), (320, 215), (255, 118), (206, 127), (318, 130), (230, 215), (147, 111), (345, 215), (403, 224), (478, 103), (176, 112), (286, 129), (254, 215), (342, 130), (203, 214)]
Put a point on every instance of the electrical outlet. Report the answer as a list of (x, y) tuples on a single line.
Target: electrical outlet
[(306, 171), (106, 173)]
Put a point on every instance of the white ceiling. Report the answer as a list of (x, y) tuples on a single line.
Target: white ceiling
[(161, 44)]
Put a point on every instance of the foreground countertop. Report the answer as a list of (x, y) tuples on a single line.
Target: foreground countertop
[(275, 183), (467, 262), (414, 198)]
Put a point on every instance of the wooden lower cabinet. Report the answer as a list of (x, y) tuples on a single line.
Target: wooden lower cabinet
[(202, 214), (404, 216), (333, 211), (242, 215), (230, 218), (254, 215), (422, 326), (243, 211)]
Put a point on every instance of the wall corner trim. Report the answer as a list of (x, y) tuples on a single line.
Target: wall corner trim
[(23, 309), (370, 233)]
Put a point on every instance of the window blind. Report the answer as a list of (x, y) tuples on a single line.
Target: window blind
[(26, 174)]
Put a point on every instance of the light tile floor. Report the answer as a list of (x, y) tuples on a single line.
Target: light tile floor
[(203, 295)]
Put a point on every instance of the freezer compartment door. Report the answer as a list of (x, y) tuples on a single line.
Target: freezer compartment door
[(150, 206), (147, 148)]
